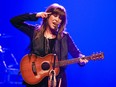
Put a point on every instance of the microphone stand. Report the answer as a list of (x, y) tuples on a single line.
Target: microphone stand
[(53, 79)]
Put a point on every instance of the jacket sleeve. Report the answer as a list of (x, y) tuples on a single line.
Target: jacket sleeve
[(20, 23), (72, 48)]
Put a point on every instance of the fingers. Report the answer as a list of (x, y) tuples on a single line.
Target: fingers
[(43, 14), (48, 13), (83, 60)]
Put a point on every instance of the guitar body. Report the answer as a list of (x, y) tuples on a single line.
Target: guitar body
[(34, 68)]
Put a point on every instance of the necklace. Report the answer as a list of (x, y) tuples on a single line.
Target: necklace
[(49, 36)]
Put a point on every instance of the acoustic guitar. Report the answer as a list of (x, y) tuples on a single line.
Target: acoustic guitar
[(34, 68)]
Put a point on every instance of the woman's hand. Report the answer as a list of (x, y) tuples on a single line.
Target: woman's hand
[(43, 14), (82, 60)]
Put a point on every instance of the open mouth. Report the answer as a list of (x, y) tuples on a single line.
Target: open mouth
[(55, 24)]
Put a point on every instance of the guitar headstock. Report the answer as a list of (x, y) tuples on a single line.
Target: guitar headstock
[(97, 56)]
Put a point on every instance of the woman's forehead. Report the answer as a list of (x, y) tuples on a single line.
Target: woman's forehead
[(58, 14)]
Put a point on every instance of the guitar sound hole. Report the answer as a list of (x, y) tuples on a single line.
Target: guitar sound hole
[(45, 66)]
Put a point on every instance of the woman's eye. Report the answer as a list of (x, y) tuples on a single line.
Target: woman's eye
[(56, 15)]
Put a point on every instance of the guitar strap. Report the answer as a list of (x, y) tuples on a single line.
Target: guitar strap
[(52, 79), (59, 85), (53, 83)]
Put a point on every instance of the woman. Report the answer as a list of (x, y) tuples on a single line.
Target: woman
[(49, 37)]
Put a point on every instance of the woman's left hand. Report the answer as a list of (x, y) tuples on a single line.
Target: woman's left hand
[(83, 61)]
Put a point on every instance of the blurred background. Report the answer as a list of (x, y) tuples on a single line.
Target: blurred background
[(92, 25)]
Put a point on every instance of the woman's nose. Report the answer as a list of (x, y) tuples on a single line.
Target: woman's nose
[(57, 19)]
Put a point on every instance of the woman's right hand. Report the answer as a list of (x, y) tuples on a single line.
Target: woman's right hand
[(42, 14)]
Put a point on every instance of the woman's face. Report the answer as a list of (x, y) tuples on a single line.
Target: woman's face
[(54, 21)]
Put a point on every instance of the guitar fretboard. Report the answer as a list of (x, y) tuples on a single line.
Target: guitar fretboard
[(71, 61)]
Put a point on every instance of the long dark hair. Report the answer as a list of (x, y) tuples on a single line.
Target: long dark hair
[(55, 9)]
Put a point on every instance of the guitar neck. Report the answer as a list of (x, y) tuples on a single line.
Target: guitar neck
[(71, 61)]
